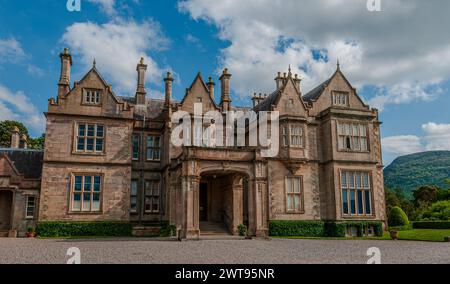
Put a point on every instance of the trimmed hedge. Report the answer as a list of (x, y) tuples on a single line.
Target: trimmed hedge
[(296, 228), (431, 225), (320, 228), (84, 229), (339, 229)]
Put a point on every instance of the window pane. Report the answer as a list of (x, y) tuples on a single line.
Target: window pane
[(86, 202), (76, 202), (99, 147), (80, 146), (368, 203), (90, 145), (289, 185), (78, 183), (155, 205), (134, 187), (360, 202), (81, 130), (351, 180), (297, 185), (344, 180), (353, 201), (133, 205), (135, 147), (91, 131), (97, 184), (290, 202), (100, 131), (297, 202), (358, 180), (345, 201), (148, 204), (87, 183), (96, 202), (366, 180)]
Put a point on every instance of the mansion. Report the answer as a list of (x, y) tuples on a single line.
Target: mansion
[(110, 158)]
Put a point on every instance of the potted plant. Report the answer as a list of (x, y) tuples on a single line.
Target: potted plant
[(242, 230), (31, 233), (394, 234)]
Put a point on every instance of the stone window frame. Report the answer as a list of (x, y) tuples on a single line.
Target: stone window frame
[(152, 196), (76, 138), (288, 136), (356, 189), (301, 194), (136, 181), (352, 137), (27, 207), (153, 148), (340, 99), (72, 192), (94, 95)]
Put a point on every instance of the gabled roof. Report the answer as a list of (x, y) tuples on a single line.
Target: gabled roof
[(273, 98), (315, 93), (27, 162), (202, 82)]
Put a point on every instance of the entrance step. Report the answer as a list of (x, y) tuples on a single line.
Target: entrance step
[(213, 229), (4, 234), (146, 231)]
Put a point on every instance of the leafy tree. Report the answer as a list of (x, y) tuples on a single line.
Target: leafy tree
[(397, 217), (439, 211), (37, 143), (6, 128), (425, 195), (397, 198)]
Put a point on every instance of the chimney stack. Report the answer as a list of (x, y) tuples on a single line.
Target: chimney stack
[(211, 86), (257, 99), (140, 91), (279, 81), (15, 138), (64, 80), (225, 100), (168, 89)]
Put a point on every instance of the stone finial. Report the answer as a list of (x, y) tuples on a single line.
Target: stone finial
[(142, 60)]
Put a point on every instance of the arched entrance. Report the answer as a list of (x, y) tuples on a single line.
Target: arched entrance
[(6, 204), (223, 202)]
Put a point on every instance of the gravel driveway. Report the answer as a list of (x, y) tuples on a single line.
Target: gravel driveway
[(275, 251)]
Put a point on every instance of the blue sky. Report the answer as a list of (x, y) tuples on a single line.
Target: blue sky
[(404, 70)]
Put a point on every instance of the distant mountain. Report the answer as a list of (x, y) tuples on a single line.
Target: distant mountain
[(412, 171)]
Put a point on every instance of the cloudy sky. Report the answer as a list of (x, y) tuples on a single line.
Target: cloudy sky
[(398, 58)]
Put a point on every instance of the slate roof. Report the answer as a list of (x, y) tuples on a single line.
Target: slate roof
[(266, 105), (27, 162), (315, 93), (153, 109)]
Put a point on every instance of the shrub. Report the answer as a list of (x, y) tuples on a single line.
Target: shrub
[(296, 228), (438, 225), (167, 230), (397, 217), (84, 229), (339, 229), (242, 229), (439, 211)]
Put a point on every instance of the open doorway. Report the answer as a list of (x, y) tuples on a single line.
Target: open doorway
[(6, 199)]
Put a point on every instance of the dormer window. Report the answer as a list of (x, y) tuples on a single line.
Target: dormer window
[(92, 97), (341, 99)]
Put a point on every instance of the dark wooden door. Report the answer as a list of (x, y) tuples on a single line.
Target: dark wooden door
[(203, 202)]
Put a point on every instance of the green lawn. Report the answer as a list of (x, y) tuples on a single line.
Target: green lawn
[(424, 235), (410, 235)]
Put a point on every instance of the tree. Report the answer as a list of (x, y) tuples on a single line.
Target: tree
[(425, 195), (439, 211), (6, 128), (397, 217), (397, 198), (37, 143)]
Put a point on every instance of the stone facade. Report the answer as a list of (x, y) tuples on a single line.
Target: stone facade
[(110, 158)]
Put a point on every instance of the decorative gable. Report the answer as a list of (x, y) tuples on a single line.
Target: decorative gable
[(289, 101), (198, 92)]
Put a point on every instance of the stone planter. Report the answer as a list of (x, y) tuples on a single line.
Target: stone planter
[(394, 235)]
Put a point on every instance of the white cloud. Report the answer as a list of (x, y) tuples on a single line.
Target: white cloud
[(117, 47), (402, 145), (18, 106), (11, 51), (107, 6), (395, 50), (437, 136)]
